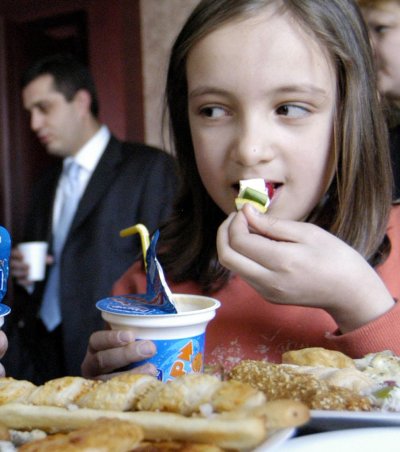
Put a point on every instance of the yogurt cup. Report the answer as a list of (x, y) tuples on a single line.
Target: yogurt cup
[(179, 338), (4, 310)]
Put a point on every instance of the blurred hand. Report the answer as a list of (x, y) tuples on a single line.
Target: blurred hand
[(298, 263), (19, 269), (110, 350), (3, 349)]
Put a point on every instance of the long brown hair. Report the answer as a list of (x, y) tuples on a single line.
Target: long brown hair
[(357, 204)]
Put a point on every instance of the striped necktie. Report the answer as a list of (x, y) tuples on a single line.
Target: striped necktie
[(50, 310)]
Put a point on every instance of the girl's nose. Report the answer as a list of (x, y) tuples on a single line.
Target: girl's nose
[(253, 143)]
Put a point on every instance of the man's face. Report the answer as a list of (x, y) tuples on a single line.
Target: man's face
[(383, 23), (56, 121)]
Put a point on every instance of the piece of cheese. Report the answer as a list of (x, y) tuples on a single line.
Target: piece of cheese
[(255, 192)]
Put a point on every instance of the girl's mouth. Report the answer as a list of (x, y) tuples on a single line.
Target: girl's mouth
[(271, 187)]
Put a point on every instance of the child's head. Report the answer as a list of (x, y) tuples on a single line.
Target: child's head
[(283, 90), (383, 20)]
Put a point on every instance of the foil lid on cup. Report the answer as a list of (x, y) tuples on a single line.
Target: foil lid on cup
[(157, 299)]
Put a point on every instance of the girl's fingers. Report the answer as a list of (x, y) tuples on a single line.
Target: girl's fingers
[(108, 339), (148, 369), (110, 350)]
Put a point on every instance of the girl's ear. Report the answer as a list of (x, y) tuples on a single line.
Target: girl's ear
[(83, 100)]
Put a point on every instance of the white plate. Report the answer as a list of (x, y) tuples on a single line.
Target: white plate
[(337, 420), (366, 439), (275, 440)]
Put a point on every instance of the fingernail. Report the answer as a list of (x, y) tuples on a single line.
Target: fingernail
[(146, 348), (125, 337), (254, 210), (149, 369)]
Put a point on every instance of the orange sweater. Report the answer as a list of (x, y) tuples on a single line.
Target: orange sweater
[(249, 327)]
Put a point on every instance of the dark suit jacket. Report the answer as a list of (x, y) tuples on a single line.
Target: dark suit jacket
[(131, 184)]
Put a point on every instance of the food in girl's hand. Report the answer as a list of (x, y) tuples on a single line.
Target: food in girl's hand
[(257, 192)]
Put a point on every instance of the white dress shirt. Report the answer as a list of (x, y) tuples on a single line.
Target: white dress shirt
[(87, 158)]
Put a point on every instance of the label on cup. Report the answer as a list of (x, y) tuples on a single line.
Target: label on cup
[(5, 249), (176, 357)]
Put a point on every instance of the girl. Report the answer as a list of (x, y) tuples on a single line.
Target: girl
[(283, 90)]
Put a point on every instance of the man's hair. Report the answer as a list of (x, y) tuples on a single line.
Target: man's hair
[(69, 74)]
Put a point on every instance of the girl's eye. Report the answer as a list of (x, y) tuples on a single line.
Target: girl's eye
[(212, 112), (292, 111)]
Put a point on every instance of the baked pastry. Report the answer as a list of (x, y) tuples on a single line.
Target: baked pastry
[(12, 390), (279, 382), (61, 391), (103, 435), (195, 393), (120, 393), (318, 356), (191, 408)]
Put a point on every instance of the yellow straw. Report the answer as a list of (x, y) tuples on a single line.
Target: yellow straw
[(144, 237)]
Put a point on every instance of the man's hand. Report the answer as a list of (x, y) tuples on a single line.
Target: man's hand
[(3, 349)]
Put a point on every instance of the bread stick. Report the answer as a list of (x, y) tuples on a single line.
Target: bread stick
[(229, 432), (283, 413)]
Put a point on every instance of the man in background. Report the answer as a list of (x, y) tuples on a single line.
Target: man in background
[(383, 21), (111, 185)]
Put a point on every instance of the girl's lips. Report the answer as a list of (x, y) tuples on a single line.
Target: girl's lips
[(271, 188)]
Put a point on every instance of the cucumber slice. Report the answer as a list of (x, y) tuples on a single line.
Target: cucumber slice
[(255, 195)]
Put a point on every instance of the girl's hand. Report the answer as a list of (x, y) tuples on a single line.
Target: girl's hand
[(290, 262), (110, 350), (3, 349)]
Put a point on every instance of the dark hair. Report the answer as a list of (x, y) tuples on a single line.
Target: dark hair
[(358, 201), (70, 76)]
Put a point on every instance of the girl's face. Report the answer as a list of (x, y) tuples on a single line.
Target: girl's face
[(261, 99), (384, 27)]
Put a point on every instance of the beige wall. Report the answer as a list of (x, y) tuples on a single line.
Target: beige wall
[(161, 21)]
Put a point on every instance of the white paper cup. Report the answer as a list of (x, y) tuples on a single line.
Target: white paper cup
[(35, 254), (179, 338)]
